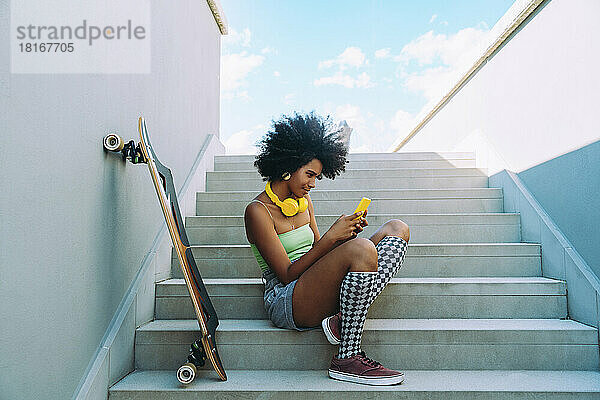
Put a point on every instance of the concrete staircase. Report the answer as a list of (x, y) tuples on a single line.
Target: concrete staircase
[(468, 316)]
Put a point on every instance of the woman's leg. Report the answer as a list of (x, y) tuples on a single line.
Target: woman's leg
[(394, 227), (317, 292), (355, 298), (321, 287), (391, 242)]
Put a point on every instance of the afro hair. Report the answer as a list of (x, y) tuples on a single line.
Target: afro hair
[(296, 140)]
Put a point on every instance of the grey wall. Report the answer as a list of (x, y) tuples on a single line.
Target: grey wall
[(568, 187), (76, 222)]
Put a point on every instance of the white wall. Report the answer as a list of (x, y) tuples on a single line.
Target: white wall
[(76, 222), (535, 99)]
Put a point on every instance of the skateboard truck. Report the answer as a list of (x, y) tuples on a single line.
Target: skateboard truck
[(129, 150), (197, 358)]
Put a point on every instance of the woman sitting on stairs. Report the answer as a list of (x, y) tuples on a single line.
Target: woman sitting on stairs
[(311, 279)]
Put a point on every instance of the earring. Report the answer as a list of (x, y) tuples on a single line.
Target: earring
[(286, 176)]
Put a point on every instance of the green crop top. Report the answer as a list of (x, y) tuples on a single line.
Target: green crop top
[(296, 243)]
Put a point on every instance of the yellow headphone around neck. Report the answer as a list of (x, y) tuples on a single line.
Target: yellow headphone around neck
[(289, 207)]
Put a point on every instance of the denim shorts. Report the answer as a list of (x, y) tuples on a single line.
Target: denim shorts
[(278, 302)]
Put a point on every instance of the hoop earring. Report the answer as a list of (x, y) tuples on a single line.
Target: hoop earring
[(286, 176)]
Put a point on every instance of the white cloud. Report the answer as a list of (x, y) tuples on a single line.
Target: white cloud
[(452, 50), (379, 125), (363, 80), (423, 49), (351, 57), (382, 53), (243, 94), (237, 66), (356, 120), (234, 70), (351, 114), (433, 17), (402, 121), (369, 134), (433, 82), (243, 142), (337, 79), (444, 60), (237, 38), (456, 53), (401, 124)]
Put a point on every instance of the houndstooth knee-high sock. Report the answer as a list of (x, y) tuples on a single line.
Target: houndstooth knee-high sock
[(355, 299), (390, 256)]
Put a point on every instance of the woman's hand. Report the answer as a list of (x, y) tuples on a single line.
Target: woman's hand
[(346, 227), (362, 223)]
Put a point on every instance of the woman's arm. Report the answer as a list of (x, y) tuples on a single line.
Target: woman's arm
[(342, 230), (260, 227), (313, 220)]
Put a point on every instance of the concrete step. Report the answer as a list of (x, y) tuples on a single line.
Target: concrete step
[(534, 297), (214, 184), (354, 194), (401, 178), (370, 173), (422, 260), (412, 156), (364, 164), (425, 228), (316, 385), (417, 344), (424, 205)]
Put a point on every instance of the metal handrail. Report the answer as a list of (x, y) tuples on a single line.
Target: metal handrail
[(217, 12)]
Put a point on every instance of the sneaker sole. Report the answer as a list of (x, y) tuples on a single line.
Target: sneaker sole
[(328, 334), (374, 381)]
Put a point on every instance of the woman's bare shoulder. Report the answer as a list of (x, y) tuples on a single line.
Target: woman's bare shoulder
[(256, 211), (256, 216)]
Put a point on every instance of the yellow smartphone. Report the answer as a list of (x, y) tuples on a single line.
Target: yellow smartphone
[(362, 206)]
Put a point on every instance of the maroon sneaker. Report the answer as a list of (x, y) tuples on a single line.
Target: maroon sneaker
[(361, 369), (332, 326)]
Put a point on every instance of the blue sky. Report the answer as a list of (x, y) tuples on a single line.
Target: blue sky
[(375, 64)]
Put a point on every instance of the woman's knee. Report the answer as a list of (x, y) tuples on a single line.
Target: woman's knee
[(396, 227), (363, 255)]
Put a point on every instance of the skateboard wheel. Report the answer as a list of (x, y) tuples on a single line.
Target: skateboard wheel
[(186, 373), (113, 142)]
